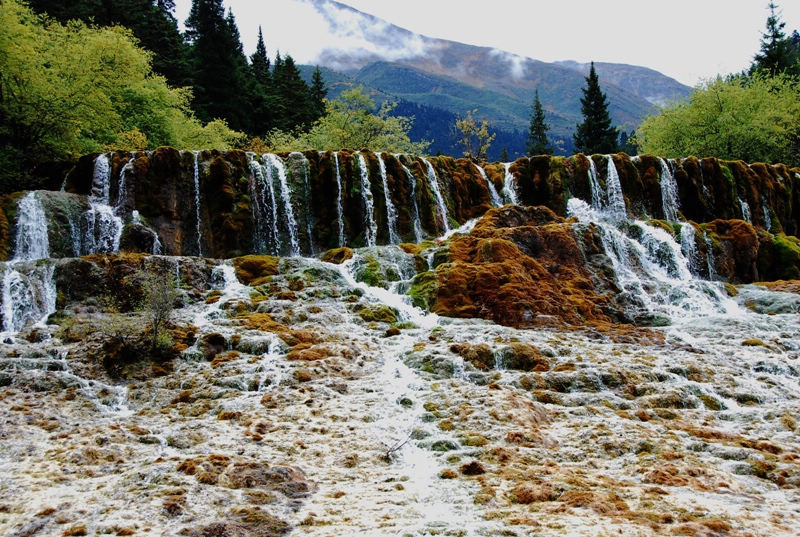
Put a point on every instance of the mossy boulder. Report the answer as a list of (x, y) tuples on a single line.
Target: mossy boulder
[(254, 270), (337, 256), (378, 313)]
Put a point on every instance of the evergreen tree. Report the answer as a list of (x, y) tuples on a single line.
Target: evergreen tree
[(318, 93), (290, 97), (776, 55), (537, 134), (504, 155), (223, 84), (595, 134), (260, 62)]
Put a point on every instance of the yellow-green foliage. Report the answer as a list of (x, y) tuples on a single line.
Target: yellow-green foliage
[(71, 89), (755, 119), (351, 121)]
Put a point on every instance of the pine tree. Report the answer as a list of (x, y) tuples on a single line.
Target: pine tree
[(776, 55), (290, 96), (595, 134), (318, 93), (260, 61), (538, 143), (223, 83), (504, 155)]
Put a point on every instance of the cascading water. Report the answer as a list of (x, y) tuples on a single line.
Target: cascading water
[(31, 240), (497, 201), (306, 198), (412, 181), (101, 226), (616, 201), (712, 273), (266, 209), (509, 190), (669, 192), (746, 214), (597, 202), (767, 217), (122, 185), (433, 181), (391, 212), (689, 246), (276, 164), (651, 270), (370, 227), (28, 292), (196, 174), (256, 189), (339, 215)]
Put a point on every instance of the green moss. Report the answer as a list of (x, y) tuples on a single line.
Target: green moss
[(423, 290), (371, 273), (731, 181), (787, 253), (378, 313)]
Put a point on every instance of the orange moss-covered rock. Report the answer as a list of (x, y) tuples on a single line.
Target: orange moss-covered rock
[(337, 256), (735, 249), (521, 266), (255, 269)]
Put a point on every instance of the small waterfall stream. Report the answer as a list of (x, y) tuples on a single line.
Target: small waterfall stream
[(497, 201), (370, 227), (196, 175), (433, 181), (669, 193), (412, 181), (616, 200), (391, 211), (276, 165), (509, 189), (339, 216), (31, 241), (747, 216)]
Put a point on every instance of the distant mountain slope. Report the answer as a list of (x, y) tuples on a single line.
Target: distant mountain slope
[(649, 84), (392, 62)]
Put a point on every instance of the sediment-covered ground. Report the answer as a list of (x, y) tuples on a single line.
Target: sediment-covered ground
[(313, 404)]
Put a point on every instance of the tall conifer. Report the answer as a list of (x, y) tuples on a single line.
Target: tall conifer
[(595, 134), (538, 143)]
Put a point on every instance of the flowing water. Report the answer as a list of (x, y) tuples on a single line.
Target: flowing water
[(747, 216), (275, 165), (339, 216), (509, 188), (616, 201), (370, 227), (31, 240), (669, 193), (433, 181), (196, 177), (309, 217), (497, 201), (391, 211), (412, 181)]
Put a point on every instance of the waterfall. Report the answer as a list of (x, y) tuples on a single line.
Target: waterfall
[(440, 205), (669, 193), (306, 199), (339, 199), (101, 227), (412, 180), (29, 294), (594, 184), (276, 164), (370, 227), (101, 179), (32, 241), (767, 217), (256, 190), (196, 173), (122, 186), (509, 191), (391, 212), (497, 201), (616, 200), (712, 274), (651, 269), (266, 210), (689, 245), (746, 215)]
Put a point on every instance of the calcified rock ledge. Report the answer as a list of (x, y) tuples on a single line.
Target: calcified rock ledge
[(556, 367)]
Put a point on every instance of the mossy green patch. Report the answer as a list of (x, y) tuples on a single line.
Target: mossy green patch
[(423, 290), (378, 313)]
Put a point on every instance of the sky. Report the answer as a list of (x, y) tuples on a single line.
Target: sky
[(689, 40)]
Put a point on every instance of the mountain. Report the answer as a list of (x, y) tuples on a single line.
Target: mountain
[(456, 77)]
